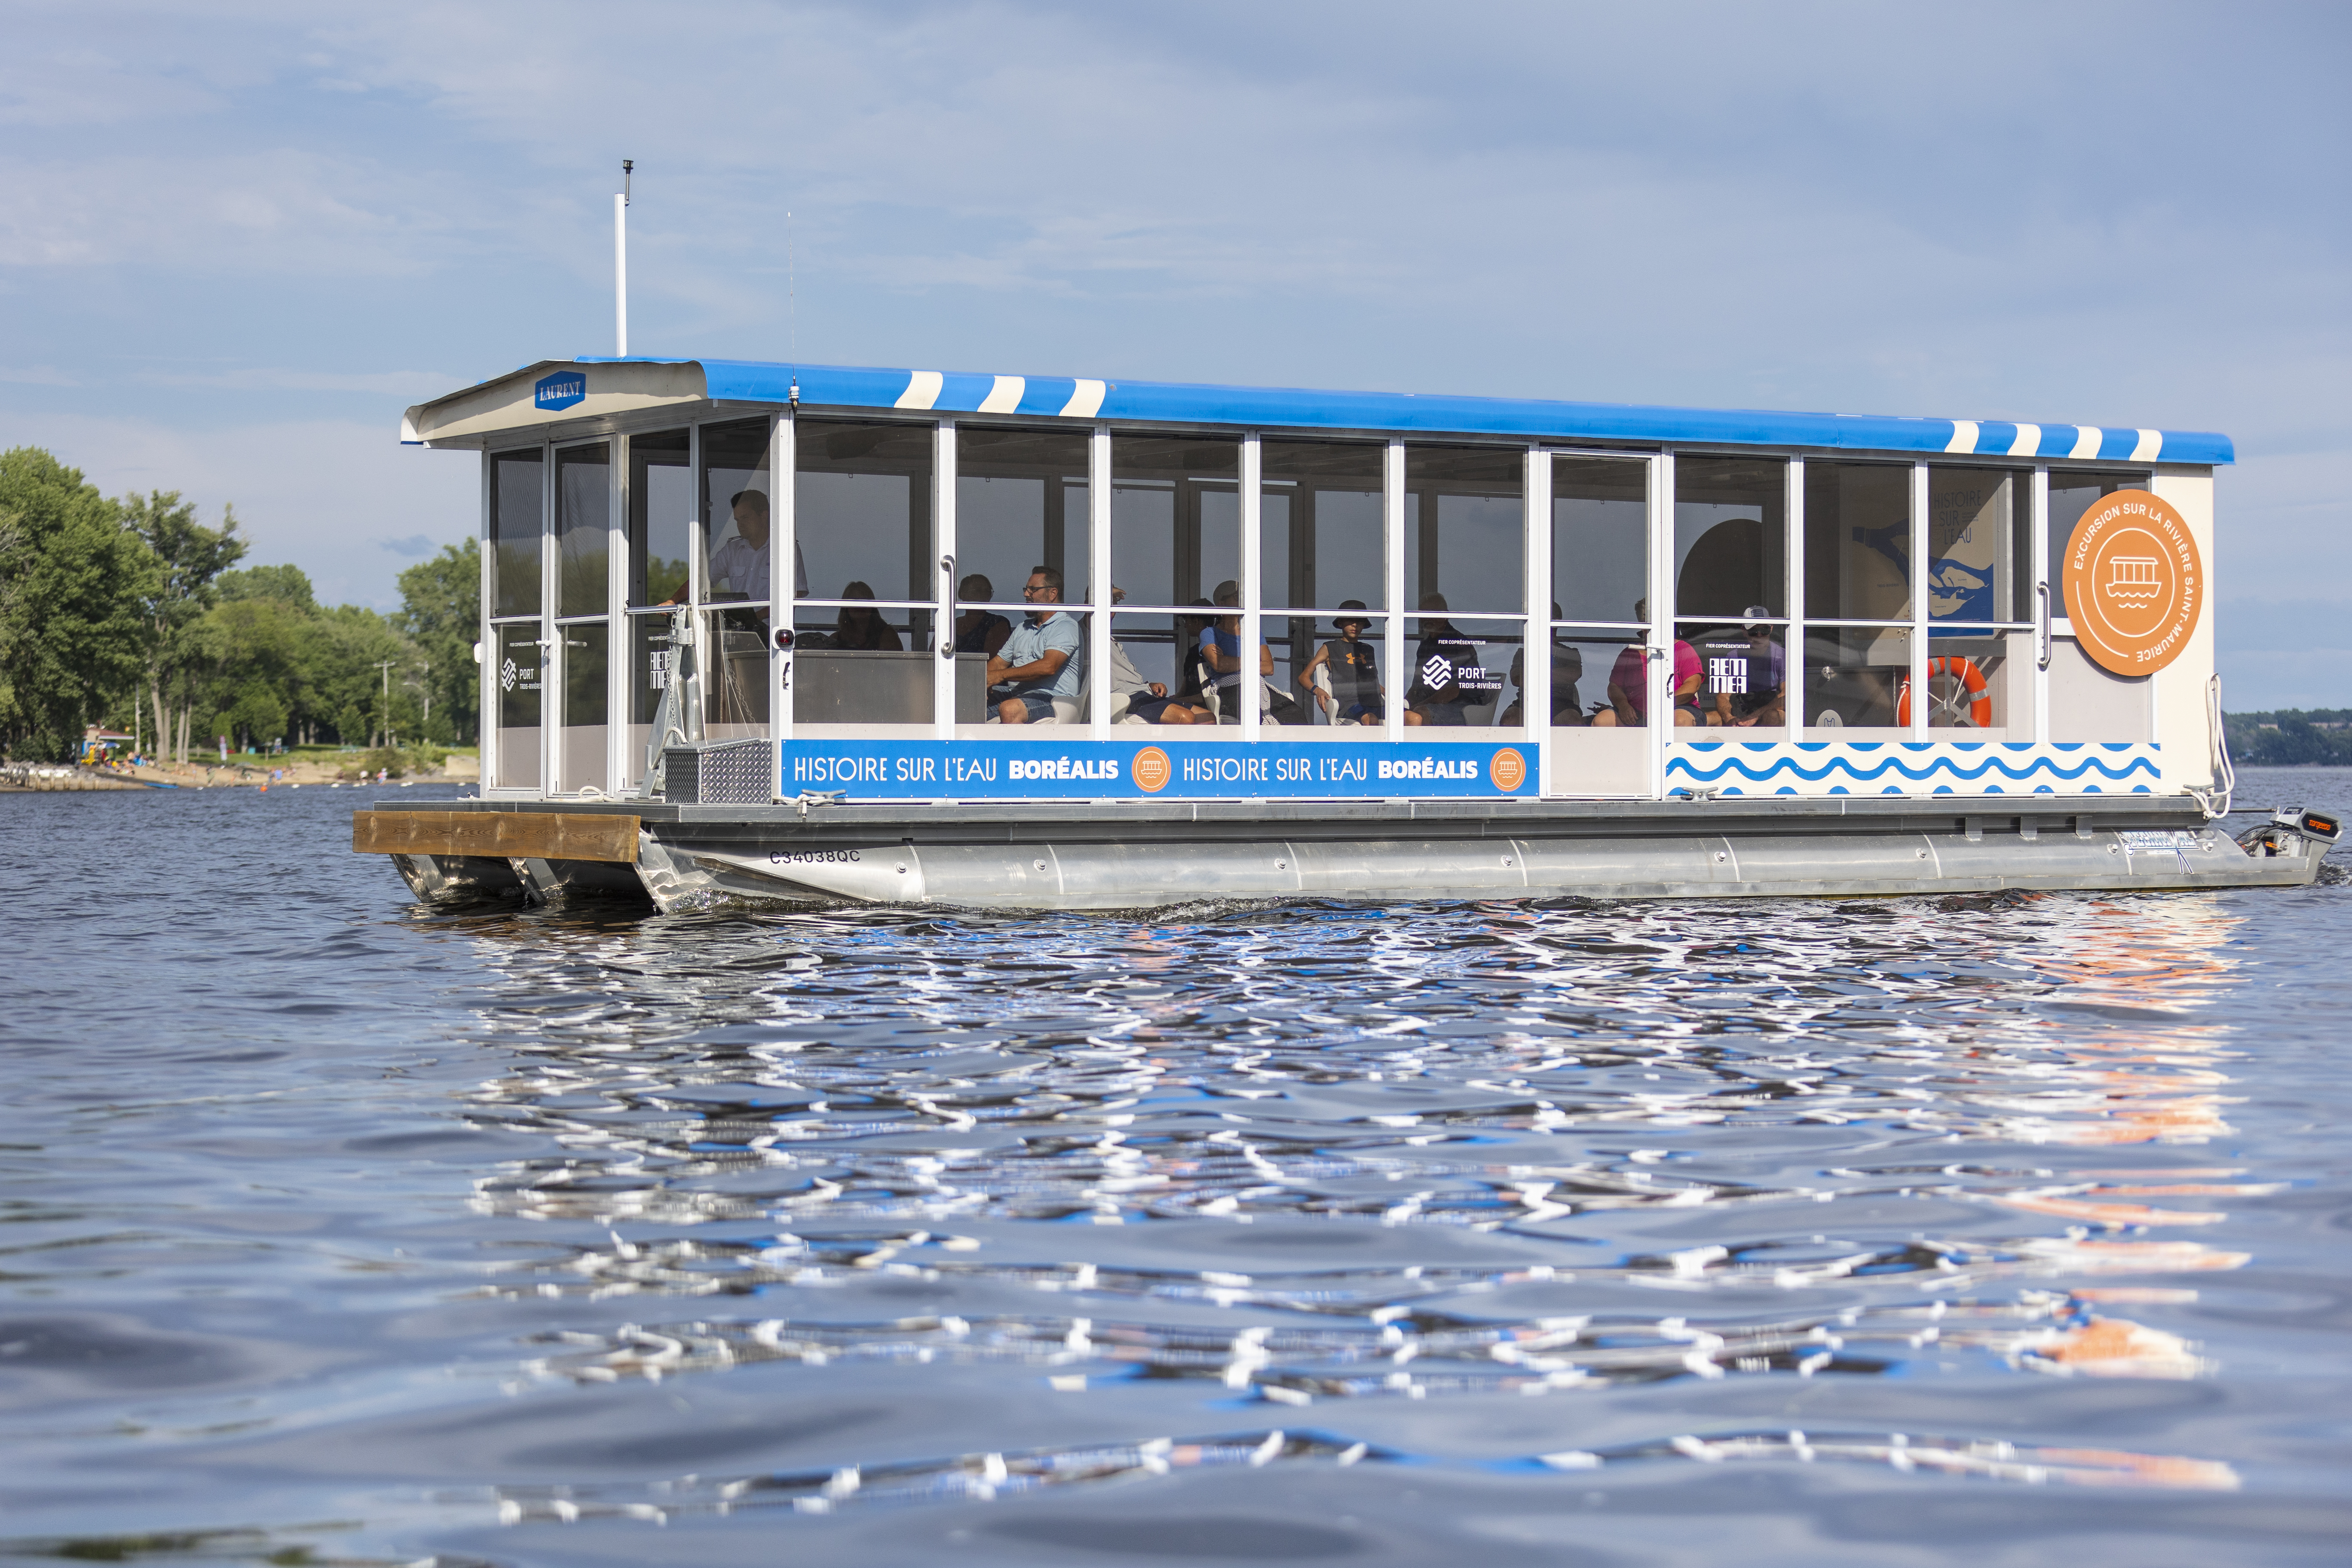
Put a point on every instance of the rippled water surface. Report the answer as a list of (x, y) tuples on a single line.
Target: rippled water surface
[(340, 1229)]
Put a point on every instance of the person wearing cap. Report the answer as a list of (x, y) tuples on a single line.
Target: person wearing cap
[(1764, 673), (1357, 695)]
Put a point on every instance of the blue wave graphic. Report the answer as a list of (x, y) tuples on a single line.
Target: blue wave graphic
[(1941, 767)]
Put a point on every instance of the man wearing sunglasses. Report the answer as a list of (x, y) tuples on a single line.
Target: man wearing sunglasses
[(1041, 660)]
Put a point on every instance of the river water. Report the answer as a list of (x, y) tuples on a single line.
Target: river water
[(1903, 1232)]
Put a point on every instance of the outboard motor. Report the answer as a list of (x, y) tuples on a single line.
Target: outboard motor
[(2288, 830)]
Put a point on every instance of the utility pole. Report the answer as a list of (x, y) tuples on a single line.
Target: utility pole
[(385, 664)]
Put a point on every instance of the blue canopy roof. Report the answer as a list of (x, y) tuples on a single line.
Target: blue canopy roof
[(1542, 419)]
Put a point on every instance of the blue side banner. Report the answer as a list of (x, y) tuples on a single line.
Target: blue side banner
[(1094, 770)]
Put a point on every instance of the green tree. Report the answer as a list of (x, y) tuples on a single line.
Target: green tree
[(72, 636), (287, 584), (441, 611), (254, 650), (189, 559)]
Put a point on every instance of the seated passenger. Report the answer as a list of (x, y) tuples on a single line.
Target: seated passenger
[(864, 630), (1766, 701), (1148, 702), (978, 630), (1045, 658), (1447, 674), (1629, 684), (1567, 669), (1221, 650), (1357, 695)]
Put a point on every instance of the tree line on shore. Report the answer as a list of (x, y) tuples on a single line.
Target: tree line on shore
[(132, 613), (2291, 737)]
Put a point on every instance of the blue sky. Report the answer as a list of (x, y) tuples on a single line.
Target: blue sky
[(238, 239)]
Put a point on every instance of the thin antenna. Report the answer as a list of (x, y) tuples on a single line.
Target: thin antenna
[(621, 262), (791, 291)]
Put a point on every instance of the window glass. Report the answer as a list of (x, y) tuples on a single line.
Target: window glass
[(1600, 537), (1021, 503), (1973, 516), (2071, 495), (736, 511), (517, 522), (1175, 517), (733, 661), (862, 510), (1464, 506), (1854, 675), (1730, 538), (1460, 665), (1597, 670), (1320, 538), (661, 517), (1337, 678), (584, 762), (1857, 543), (1982, 681), (518, 674), (1743, 675), (584, 522)]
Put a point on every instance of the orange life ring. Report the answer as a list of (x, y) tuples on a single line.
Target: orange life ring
[(1962, 668)]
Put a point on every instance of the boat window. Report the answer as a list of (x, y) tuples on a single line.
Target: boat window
[(1460, 667), (1334, 679), (1598, 671), (736, 511), (1321, 536), (517, 522), (2071, 495), (1857, 569), (1979, 534), (583, 762), (1464, 506), (518, 678), (861, 517), (583, 529), (1730, 540), (1600, 538), (1175, 518), (862, 514), (1021, 503), (661, 516)]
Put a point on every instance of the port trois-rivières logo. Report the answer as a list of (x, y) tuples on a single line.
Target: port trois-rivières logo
[(2134, 581)]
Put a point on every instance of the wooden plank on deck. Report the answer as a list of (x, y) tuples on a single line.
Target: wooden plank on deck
[(498, 835)]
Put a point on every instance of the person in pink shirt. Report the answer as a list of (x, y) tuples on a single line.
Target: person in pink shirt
[(1629, 684)]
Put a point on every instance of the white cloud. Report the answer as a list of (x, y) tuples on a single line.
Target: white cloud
[(325, 495)]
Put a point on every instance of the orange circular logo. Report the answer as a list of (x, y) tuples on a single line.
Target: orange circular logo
[(1507, 769), (1152, 769), (2134, 583)]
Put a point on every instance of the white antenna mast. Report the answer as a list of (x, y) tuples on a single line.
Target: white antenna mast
[(621, 262)]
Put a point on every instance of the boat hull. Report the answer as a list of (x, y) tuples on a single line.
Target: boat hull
[(1114, 857)]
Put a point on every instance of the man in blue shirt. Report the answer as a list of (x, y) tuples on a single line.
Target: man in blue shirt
[(1043, 660)]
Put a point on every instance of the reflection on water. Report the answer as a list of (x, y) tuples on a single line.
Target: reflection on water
[(670, 1221)]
